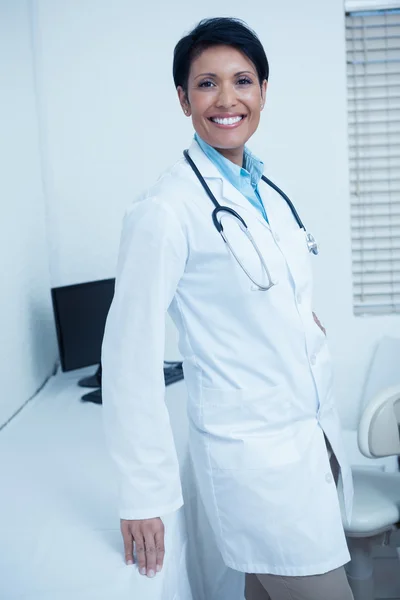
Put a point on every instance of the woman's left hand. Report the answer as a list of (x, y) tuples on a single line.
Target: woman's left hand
[(322, 328)]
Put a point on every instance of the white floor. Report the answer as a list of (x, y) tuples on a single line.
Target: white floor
[(386, 574)]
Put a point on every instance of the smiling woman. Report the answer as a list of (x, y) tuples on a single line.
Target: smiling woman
[(256, 364), (222, 85)]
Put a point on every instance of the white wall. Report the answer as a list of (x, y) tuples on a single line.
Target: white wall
[(27, 342), (112, 123)]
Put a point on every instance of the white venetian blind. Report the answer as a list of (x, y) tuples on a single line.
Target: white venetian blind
[(373, 68)]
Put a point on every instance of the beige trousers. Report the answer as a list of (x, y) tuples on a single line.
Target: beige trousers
[(328, 586)]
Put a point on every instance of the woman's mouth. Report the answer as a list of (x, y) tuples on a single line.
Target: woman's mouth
[(227, 122)]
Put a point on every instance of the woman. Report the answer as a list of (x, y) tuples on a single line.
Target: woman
[(257, 368)]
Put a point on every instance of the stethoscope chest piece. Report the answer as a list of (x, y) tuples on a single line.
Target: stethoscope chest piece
[(312, 244)]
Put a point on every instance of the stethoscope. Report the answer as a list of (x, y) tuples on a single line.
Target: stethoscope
[(216, 217)]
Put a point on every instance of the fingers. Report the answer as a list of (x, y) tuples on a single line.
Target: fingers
[(319, 323), (150, 549), (148, 536), (153, 532), (160, 549), (140, 552), (128, 542)]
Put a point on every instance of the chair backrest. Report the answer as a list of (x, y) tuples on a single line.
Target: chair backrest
[(383, 372), (378, 430)]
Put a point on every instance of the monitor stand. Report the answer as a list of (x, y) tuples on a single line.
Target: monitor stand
[(93, 381), (172, 373), (93, 397)]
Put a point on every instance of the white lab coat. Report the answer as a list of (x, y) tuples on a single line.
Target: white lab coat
[(257, 370)]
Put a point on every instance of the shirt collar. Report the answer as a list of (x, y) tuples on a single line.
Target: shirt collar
[(252, 169)]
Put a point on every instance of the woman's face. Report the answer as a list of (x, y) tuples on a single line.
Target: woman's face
[(224, 98)]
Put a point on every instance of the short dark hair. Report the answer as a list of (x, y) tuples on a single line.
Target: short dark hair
[(214, 32)]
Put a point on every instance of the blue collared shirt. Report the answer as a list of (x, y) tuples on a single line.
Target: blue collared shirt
[(245, 180)]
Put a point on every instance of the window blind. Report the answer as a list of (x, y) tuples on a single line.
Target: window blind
[(373, 71), (357, 5)]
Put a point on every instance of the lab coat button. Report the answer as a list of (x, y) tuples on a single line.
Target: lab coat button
[(299, 298), (313, 359), (328, 478), (277, 238)]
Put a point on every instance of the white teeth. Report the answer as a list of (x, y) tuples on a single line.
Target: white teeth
[(229, 121)]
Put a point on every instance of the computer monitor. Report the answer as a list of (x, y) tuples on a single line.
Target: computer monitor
[(80, 313)]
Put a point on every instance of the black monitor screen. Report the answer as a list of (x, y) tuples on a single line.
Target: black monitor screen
[(80, 313)]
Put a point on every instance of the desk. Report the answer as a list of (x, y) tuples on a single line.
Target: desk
[(59, 524)]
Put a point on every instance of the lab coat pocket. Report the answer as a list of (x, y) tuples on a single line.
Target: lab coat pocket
[(249, 428), (298, 257), (320, 338), (324, 368)]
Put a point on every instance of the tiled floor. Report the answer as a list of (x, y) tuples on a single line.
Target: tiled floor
[(386, 574)]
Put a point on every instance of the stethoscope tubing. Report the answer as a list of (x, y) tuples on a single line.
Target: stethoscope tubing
[(287, 200), (219, 207)]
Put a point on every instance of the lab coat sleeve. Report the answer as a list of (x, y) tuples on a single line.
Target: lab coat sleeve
[(152, 258)]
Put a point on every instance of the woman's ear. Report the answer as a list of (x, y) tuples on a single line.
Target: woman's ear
[(183, 101), (264, 86)]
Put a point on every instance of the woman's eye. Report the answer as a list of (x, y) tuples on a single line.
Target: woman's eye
[(206, 84), (244, 81)]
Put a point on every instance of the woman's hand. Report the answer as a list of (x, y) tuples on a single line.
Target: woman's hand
[(148, 535), (322, 328)]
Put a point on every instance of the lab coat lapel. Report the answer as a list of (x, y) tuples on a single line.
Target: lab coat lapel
[(227, 194)]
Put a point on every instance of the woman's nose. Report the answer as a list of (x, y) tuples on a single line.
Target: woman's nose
[(227, 96)]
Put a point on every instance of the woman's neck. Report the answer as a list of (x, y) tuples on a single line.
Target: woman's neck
[(235, 155)]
